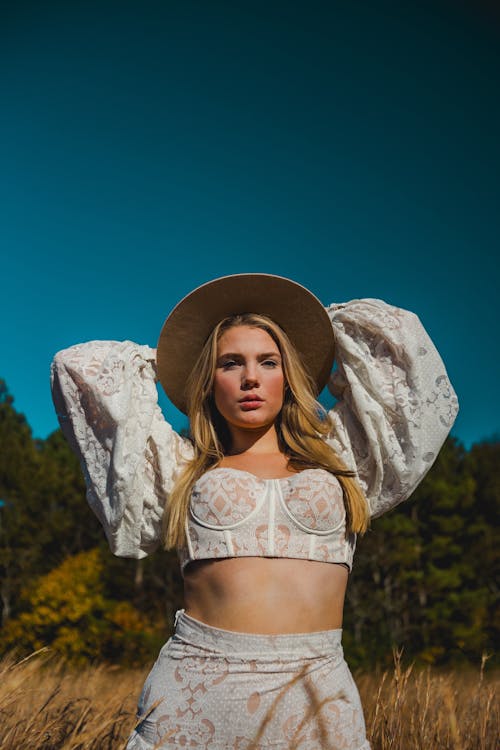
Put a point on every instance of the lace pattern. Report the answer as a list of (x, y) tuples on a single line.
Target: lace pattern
[(106, 400), (396, 404)]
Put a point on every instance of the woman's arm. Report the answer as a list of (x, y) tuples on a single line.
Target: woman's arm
[(395, 403), (106, 399)]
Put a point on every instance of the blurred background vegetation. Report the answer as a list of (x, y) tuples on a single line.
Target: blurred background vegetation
[(425, 576)]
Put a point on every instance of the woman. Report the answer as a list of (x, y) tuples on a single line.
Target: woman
[(264, 503)]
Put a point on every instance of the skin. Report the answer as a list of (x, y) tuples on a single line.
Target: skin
[(257, 594)]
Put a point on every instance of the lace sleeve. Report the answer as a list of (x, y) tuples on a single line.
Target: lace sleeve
[(106, 400), (395, 403)]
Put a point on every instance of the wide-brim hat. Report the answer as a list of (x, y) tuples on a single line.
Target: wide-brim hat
[(289, 304)]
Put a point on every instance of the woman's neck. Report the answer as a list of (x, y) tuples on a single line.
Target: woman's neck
[(257, 441)]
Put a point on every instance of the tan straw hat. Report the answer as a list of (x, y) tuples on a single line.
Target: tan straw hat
[(293, 307)]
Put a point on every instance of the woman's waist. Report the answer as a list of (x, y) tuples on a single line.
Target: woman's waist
[(263, 596)]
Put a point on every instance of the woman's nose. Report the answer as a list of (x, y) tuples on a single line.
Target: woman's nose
[(249, 378)]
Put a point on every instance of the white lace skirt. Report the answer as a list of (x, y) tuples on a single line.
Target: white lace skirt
[(213, 689)]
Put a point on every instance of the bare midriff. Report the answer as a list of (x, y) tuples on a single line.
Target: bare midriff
[(266, 595)]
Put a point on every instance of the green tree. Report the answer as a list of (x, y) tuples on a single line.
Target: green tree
[(445, 505), (18, 465), (484, 464), (423, 574)]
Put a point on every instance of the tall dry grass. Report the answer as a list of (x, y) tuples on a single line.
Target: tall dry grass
[(428, 709), (47, 706), (44, 704)]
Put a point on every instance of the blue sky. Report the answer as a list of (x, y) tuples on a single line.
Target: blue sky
[(148, 147)]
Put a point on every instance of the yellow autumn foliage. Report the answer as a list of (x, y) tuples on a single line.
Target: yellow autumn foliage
[(67, 611)]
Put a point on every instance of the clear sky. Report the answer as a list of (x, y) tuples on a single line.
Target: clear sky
[(146, 147)]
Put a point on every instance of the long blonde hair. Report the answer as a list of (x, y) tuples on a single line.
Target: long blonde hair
[(301, 427)]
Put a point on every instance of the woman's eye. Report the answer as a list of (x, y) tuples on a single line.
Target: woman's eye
[(228, 364), (270, 363)]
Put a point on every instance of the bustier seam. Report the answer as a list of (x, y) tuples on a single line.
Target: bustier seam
[(229, 542), (312, 545), (272, 518)]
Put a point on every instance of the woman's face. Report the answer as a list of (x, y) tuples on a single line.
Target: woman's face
[(249, 382)]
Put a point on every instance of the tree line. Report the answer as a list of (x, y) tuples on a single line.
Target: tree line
[(425, 577)]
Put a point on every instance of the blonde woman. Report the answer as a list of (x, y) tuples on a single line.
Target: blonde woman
[(264, 502)]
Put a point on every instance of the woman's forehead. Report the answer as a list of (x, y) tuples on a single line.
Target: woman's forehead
[(245, 337)]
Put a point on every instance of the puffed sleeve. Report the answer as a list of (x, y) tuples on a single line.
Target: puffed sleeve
[(105, 397), (395, 402)]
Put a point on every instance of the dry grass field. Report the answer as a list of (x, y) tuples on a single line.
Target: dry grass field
[(46, 706)]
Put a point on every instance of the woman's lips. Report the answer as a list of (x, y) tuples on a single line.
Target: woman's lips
[(250, 403)]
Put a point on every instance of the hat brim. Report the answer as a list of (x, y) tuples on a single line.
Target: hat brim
[(293, 307)]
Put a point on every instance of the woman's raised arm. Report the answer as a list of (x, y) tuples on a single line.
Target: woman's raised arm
[(395, 402), (107, 404)]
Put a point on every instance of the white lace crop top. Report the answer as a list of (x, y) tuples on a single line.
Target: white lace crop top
[(394, 408), (236, 514)]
